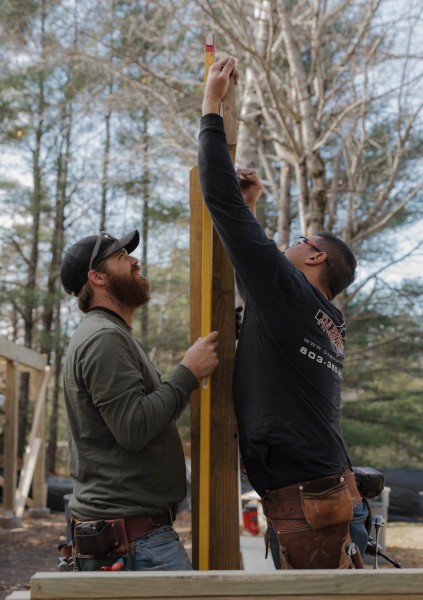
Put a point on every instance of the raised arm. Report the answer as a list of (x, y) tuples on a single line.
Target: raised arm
[(255, 257)]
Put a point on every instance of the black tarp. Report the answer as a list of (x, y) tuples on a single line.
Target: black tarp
[(405, 501)]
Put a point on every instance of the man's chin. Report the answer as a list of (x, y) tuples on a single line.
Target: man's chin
[(132, 293), (145, 301)]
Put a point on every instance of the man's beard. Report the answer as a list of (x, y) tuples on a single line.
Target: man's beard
[(131, 290)]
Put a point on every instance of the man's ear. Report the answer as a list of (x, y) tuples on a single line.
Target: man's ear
[(97, 278), (315, 259)]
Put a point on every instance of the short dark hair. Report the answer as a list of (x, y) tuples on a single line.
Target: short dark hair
[(342, 264)]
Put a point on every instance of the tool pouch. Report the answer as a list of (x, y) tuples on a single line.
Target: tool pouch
[(323, 506), (103, 539), (307, 549)]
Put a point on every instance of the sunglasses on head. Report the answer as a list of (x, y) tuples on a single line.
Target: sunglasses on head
[(305, 240), (103, 236)]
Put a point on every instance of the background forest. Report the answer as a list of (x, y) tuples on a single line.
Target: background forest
[(99, 110)]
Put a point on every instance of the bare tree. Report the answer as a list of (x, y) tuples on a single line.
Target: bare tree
[(312, 90), (330, 114)]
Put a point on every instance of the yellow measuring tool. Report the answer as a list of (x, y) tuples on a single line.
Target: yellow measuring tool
[(228, 112), (206, 327)]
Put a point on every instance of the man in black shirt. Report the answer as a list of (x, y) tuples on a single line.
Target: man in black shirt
[(289, 360)]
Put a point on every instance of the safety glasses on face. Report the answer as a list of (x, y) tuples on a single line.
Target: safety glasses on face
[(306, 240), (103, 236)]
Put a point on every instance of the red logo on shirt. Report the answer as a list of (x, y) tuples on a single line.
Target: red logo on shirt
[(335, 334)]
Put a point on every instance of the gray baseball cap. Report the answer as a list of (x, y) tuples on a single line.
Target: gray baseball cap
[(87, 253)]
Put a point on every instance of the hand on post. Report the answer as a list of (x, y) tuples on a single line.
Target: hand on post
[(202, 357), (217, 84), (251, 187)]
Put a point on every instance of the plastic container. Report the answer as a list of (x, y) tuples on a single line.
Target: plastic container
[(250, 518)]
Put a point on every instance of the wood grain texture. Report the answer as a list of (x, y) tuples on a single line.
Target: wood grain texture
[(224, 548), (224, 501), (307, 584), (196, 200)]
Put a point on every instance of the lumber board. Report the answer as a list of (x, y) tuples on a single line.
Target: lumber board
[(298, 584), (195, 332), (278, 597), (39, 486), (10, 441), (26, 356), (27, 473), (224, 500)]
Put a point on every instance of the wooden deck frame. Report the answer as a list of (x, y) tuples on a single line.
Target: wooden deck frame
[(20, 359)]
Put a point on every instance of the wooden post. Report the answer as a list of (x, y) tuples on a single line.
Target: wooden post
[(11, 443), (222, 516)]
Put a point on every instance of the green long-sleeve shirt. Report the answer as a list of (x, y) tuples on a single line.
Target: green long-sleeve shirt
[(125, 453)]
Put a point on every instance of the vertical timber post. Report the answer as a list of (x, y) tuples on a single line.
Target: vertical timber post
[(8, 518), (221, 518)]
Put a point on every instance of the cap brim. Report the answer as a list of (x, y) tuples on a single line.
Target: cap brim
[(129, 242)]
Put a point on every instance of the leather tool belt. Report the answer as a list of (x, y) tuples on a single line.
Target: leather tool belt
[(311, 519), (111, 537), (295, 504), (137, 527)]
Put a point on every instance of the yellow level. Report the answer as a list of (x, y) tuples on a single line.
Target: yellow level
[(206, 327)]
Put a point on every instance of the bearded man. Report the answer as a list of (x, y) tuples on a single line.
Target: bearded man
[(125, 454)]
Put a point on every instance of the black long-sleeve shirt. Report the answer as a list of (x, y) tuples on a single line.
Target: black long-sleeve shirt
[(289, 359)]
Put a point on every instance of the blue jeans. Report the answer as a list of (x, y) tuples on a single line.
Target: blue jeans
[(160, 550), (358, 534), (358, 531)]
